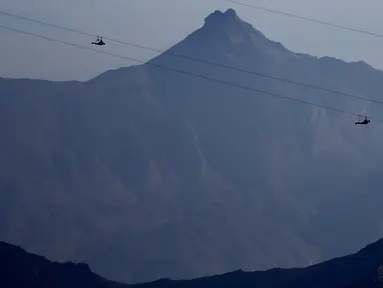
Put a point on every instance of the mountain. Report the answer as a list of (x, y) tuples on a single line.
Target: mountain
[(145, 173), (362, 269)]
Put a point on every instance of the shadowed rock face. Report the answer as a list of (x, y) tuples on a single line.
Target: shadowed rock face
[(145, 173), (20, 269)]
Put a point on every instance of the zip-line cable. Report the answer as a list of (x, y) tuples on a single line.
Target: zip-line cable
[(196, 59), (187, 73), (274, 11)]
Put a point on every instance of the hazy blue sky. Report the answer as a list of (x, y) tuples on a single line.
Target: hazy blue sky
[(162, 23)]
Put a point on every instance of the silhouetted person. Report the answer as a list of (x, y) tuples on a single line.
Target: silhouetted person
[(364, 122), (99, 42)]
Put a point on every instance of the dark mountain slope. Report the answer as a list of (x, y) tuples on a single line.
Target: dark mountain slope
[(145, 173), (21, 269)]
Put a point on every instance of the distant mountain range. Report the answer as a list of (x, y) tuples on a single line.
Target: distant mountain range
[(363, 269), (145, 173)]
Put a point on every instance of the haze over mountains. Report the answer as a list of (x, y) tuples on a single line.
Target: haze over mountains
[(145, 173)]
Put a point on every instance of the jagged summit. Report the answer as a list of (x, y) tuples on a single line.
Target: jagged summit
[(219, 16), (228, 19), (225, 33), (228, 25)]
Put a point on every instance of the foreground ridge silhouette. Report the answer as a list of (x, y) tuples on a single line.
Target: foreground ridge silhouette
[(362, 269)]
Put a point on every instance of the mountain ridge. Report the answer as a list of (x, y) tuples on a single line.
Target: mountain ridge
[(361, 269), (221, 22)]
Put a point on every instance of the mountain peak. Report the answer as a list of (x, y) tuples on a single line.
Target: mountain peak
[(228, 26), (229, 23), (219, 17)]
